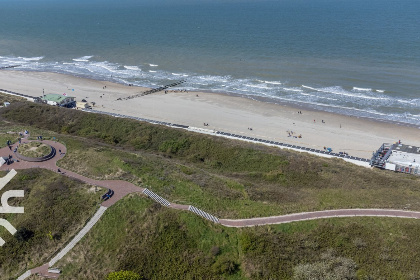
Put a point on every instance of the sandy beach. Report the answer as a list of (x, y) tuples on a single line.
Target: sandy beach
[(356, 136)]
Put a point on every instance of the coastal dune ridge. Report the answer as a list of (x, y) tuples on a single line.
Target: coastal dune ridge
[(229, 113)]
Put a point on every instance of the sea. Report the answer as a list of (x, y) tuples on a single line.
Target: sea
[(353, 57)]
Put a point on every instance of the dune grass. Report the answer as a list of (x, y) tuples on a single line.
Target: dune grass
[(325, 184), (160, 243), (34, 149), (9, 98), (228, 178), (56, 208)]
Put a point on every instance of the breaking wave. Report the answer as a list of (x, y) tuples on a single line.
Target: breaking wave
[(356, 101)]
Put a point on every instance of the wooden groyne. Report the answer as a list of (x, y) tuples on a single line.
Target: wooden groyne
[(153, 90), (7, 67)]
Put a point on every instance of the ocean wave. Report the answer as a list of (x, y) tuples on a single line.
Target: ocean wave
[(367, 103), (341, 91), (136, 68), (257, 86), (270, 82), (293, 89), (37, 58), (153, 65), (83, 58), (107, 66), (362, 89)]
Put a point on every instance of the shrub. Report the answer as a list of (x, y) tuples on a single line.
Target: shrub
[(123, 275), (23, 234), (329, 268)]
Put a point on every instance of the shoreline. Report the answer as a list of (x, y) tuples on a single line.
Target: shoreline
[(231, 113), (279, 101), (303, 106), (298, 105)]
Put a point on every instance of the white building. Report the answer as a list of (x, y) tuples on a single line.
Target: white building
[(398, 157)]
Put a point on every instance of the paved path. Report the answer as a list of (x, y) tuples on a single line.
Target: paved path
[(122, 188), (319, 215)]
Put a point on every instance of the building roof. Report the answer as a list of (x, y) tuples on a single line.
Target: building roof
[(55, 97), (406, 149), (405, 155)]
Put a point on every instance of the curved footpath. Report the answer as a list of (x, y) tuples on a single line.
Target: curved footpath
[(122, 188)]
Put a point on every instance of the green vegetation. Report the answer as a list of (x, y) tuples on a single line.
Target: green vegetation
[(124, 275), (9, 98), (34, 149), (229, 179), (155, 242), (245, 194), (56, 208), (6, 134), (160, 243)]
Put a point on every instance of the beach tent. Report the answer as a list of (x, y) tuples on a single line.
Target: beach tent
[(2, 161)]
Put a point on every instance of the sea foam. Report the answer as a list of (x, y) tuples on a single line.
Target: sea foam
[(83, 58)]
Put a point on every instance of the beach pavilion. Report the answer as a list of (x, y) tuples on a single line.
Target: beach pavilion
[(59, 100)]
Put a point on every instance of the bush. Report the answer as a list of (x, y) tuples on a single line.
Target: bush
[(225, 265), (23, 234), (123, 275), (329, 268)]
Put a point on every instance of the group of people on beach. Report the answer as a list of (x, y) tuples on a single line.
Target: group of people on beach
[(293, 134)]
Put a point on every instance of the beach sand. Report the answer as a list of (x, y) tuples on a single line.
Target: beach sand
[(356, 136)]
